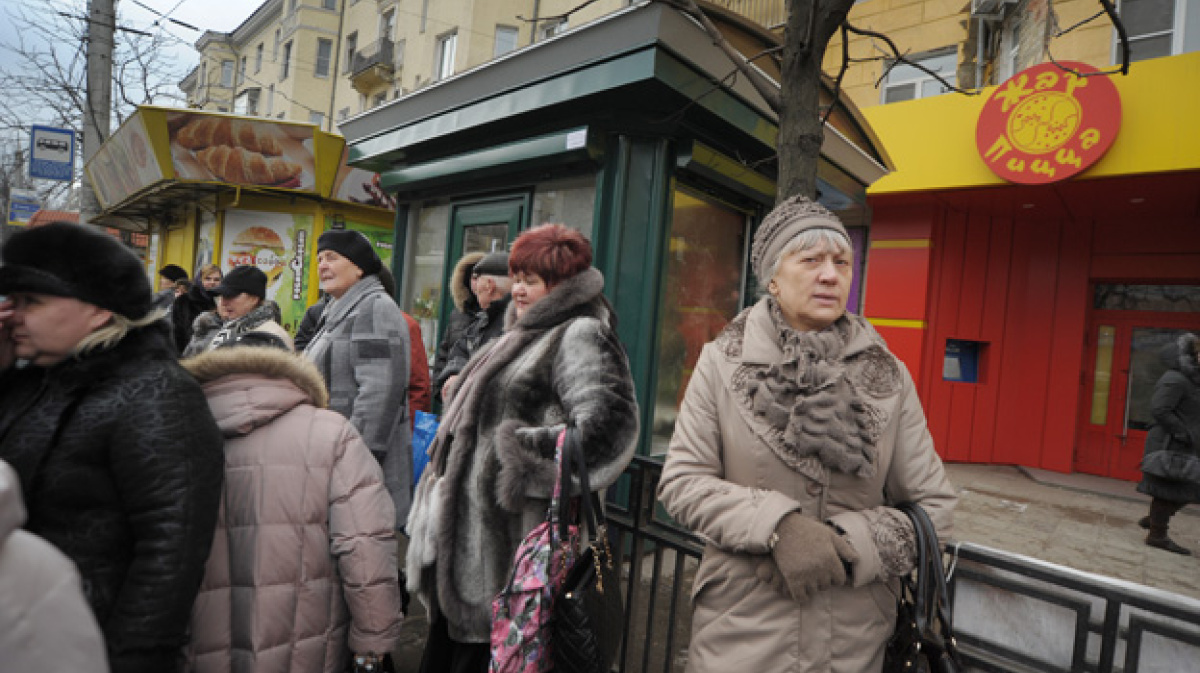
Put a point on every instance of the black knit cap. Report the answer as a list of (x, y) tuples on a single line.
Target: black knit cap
[(173, 273), (353, 246), (78, 261), (246, 278)]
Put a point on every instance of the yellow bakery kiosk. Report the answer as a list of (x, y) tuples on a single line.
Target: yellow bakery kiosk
[(199, 187)]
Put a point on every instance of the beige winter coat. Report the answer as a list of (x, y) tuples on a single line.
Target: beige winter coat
[(303, 563), (45, 623), (728, 478)]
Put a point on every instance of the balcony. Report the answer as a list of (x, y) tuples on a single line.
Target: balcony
[(769, 14), (373, 66)]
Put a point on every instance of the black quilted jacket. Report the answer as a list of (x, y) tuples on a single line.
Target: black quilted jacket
[(121, 465)]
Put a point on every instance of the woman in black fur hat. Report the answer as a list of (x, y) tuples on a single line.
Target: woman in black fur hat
[(119, 459)]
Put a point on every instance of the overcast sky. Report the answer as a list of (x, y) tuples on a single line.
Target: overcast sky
[(218, 15)]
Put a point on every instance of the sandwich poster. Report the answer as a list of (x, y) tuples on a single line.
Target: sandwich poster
[(280, 244)]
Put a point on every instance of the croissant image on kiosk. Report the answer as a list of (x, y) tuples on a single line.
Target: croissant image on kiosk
[(209, 146)]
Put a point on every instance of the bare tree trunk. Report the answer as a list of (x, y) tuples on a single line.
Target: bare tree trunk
[(810, 24)]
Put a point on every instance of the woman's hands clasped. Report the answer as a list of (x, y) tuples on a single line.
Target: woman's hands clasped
[(811, 556)]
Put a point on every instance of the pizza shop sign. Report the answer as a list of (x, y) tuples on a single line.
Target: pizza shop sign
[(1046, 124)]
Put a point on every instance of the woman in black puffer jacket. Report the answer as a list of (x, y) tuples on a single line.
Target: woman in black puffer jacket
[(118, 456)]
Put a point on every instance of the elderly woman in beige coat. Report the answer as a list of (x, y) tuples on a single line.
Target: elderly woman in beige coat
[(798, 433)]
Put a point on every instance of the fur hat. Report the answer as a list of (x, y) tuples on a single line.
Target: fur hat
[(246, 278), (353, 246), (493, 264), (793, 216), (78, 261), (173, 273)]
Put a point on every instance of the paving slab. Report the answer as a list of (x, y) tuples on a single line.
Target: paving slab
[(1081, 521)]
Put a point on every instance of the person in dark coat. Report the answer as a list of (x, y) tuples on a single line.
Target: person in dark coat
[(465, 307), (1171, 464), (184, 311), (490, 284), (118, 456)]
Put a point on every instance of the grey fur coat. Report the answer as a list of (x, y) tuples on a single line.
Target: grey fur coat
[(362, 349), (559, 363)]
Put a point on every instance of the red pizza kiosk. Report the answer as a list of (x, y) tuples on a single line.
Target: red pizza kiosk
[(1035, 247)]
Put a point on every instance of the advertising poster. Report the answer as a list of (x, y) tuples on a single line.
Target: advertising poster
[(249, 152), (125, 164), (358, 186), (281, 245), (206, 241)]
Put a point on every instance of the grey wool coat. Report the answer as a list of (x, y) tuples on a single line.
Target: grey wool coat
[(362, 349), (559, 363), (731, 475), (1171, 465)]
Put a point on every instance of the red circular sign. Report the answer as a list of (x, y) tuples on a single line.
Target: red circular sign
[(1046, 124)]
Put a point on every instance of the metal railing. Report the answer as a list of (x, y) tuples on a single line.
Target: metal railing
[(381, 53), (766, 13), (1013, 614)]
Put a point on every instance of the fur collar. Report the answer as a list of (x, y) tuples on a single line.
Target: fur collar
[(271, 363), (1184, 356), (460, 283), (817, 399), (571, 298)]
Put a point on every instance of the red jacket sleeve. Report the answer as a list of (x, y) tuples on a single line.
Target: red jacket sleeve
[(418, 372)]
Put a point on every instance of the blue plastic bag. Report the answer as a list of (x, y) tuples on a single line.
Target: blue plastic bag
[(425, 428)]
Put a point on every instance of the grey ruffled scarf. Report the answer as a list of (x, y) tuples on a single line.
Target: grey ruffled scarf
[(809, 399)]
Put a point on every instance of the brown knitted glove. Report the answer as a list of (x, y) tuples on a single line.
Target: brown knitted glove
[(810, 555)]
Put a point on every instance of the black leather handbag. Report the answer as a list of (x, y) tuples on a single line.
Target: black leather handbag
[(924, 638), (588, 611)]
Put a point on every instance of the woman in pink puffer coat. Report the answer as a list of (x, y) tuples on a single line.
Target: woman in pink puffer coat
[(302, 572)]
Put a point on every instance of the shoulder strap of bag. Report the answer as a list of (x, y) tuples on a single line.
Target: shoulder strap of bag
[(933, 596), (573, 462)]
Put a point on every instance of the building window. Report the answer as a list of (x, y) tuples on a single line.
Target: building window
[(906, 82), (506, 40), (246, 103), (324, 53), (343, 114), (398, 50), (329, 4), (444, 61), (242, 72), (550, 29), (226, 73), (275, 49), (258, 52), (380, 99), (317, 118), (270, 99), (351, 47), (387, 24), (1151, 26), (291, 6), (287, 58)]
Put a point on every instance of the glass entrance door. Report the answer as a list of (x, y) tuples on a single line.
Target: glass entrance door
[(1122, 367), (481, 227)]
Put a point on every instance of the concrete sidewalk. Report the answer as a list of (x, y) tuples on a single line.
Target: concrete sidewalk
[(1080, 521)]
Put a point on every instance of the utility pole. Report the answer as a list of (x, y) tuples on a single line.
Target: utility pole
[(102, 21)]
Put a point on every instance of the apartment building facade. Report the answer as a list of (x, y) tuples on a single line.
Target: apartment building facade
[(324, 61)]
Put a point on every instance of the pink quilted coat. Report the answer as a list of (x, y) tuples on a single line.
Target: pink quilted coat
[(303, 564)]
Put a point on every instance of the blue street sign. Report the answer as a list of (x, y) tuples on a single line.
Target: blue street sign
[(20, 211), (51, 153)]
